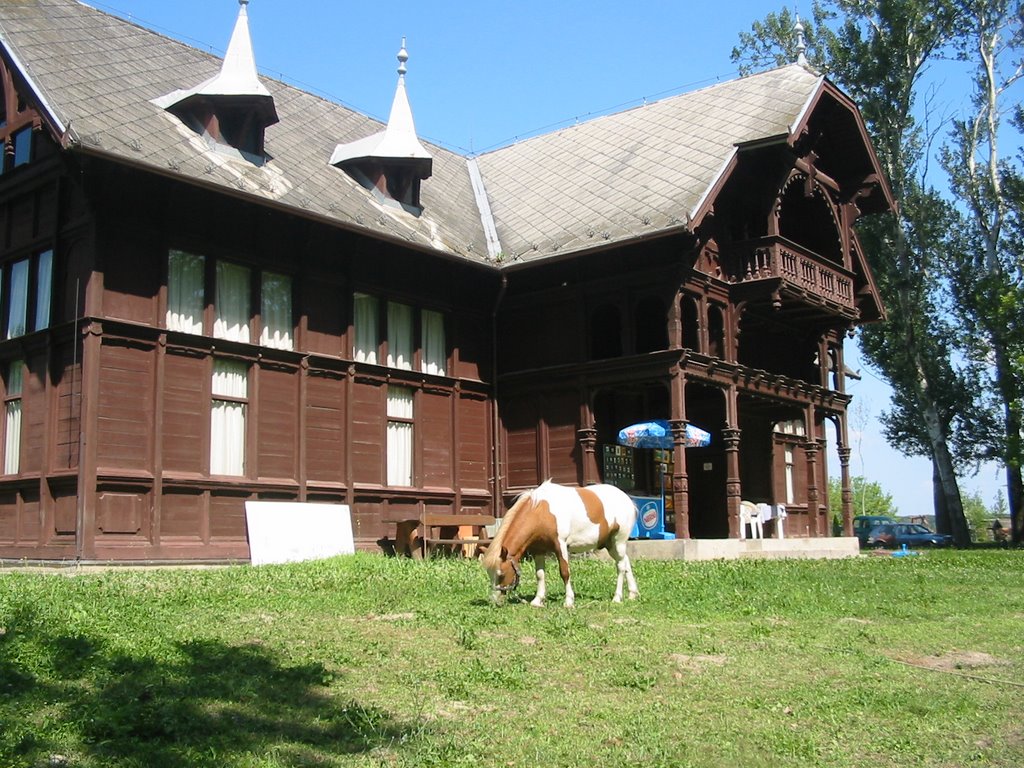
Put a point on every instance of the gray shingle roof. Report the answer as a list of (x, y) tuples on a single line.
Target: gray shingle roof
[(633, 173), (615, 178)]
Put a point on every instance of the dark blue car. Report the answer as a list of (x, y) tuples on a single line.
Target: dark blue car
[(895, 535)]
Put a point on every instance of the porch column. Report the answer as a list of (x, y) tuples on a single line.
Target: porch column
[(731, 440), (847, 502), (680, 479), (811, 448), (587, 438)]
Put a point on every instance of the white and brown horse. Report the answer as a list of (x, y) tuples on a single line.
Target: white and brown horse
[(561, 519)]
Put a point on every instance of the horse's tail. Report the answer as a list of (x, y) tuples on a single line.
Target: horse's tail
[(493, 554)]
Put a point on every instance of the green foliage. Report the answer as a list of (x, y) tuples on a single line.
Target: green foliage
[(369, 661), (868, 497)]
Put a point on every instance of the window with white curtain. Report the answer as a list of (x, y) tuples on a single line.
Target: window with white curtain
[(44, 281), (789, 474), (400, 421), (186, 278), (231, 302), (12, 417), (434, 353), (399, 336), (365, 319), (276, 310), (227, 417), (17, 307)]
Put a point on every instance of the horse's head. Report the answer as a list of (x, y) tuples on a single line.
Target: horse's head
[(504, 572)]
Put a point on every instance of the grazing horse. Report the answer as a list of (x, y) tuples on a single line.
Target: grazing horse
[(560, 519)]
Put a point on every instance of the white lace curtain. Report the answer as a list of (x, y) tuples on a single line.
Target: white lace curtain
[(44, 275), (12, 431), (435, 353), (276, 311), (399, 336), (17, 311), (227, 418), (185, 297), (365, 321), (232, 302), (399, 459)]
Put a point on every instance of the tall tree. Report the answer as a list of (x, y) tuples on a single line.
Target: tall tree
[(987, 269), (878, 51)]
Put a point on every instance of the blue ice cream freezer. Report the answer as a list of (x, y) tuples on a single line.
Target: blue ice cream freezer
[(650, 519)]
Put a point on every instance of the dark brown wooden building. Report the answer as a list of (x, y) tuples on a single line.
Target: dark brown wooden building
[(216, 288)]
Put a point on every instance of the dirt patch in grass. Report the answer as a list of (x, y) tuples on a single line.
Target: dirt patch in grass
[(956, 660), (685, 662)]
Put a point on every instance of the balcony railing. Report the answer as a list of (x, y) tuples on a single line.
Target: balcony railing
[(775, 257)]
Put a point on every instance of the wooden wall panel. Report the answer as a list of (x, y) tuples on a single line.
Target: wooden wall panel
[(474, 442), (34, 417), (132, 268), (186, 413), (278, 422), (31, 520), (522, 467), (65, 511), (69, 408), (368, 449), (22, 221), (325, 427), (125, 414), (560, 415), (227, 517), (9, 517), (434, 427), (122, 513), (182, 515), (325, 303)]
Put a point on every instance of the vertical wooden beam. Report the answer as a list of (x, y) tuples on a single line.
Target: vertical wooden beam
[(811, 450), (680, 477), (92, 343)]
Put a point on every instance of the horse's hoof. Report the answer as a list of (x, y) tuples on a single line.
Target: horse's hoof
[(537, 603), (634, 595)]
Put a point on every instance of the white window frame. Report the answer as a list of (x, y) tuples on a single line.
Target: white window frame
[(400, 426), (12, 416), (228, 417)]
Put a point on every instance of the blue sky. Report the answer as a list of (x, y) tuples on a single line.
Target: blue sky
[(483, 74)]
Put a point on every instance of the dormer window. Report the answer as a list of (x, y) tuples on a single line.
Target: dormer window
[(390, 164), (233, 108)]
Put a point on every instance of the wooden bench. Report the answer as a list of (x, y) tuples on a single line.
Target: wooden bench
[(441, 534)]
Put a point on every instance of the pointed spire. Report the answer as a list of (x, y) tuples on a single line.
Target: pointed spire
[(237, 76), (801, 44), (398, 140)]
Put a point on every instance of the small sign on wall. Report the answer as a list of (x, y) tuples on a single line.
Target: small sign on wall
[(293, 531)]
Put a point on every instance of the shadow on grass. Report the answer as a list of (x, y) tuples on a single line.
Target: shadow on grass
[(201, 703)]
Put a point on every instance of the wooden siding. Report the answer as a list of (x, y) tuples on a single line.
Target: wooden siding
[(277, 423), (368, 448), (560, 416), (474, 441), (325, 426), (186, 412), (125, 411), (434, 430)]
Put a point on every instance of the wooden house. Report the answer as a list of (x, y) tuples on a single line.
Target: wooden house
[(215, 287)]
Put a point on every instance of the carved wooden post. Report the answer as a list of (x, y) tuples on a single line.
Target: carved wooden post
[(680, 480), (811, 448), (847, 497), (731, 440), (587, 438)]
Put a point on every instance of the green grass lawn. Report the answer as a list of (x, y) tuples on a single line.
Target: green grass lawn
[(365, 660)]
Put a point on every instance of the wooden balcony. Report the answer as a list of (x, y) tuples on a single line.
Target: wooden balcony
[(777, 259)]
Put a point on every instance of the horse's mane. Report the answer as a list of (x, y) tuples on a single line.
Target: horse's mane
[(492, 557)]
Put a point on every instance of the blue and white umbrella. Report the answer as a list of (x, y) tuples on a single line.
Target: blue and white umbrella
[(658, 434)]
